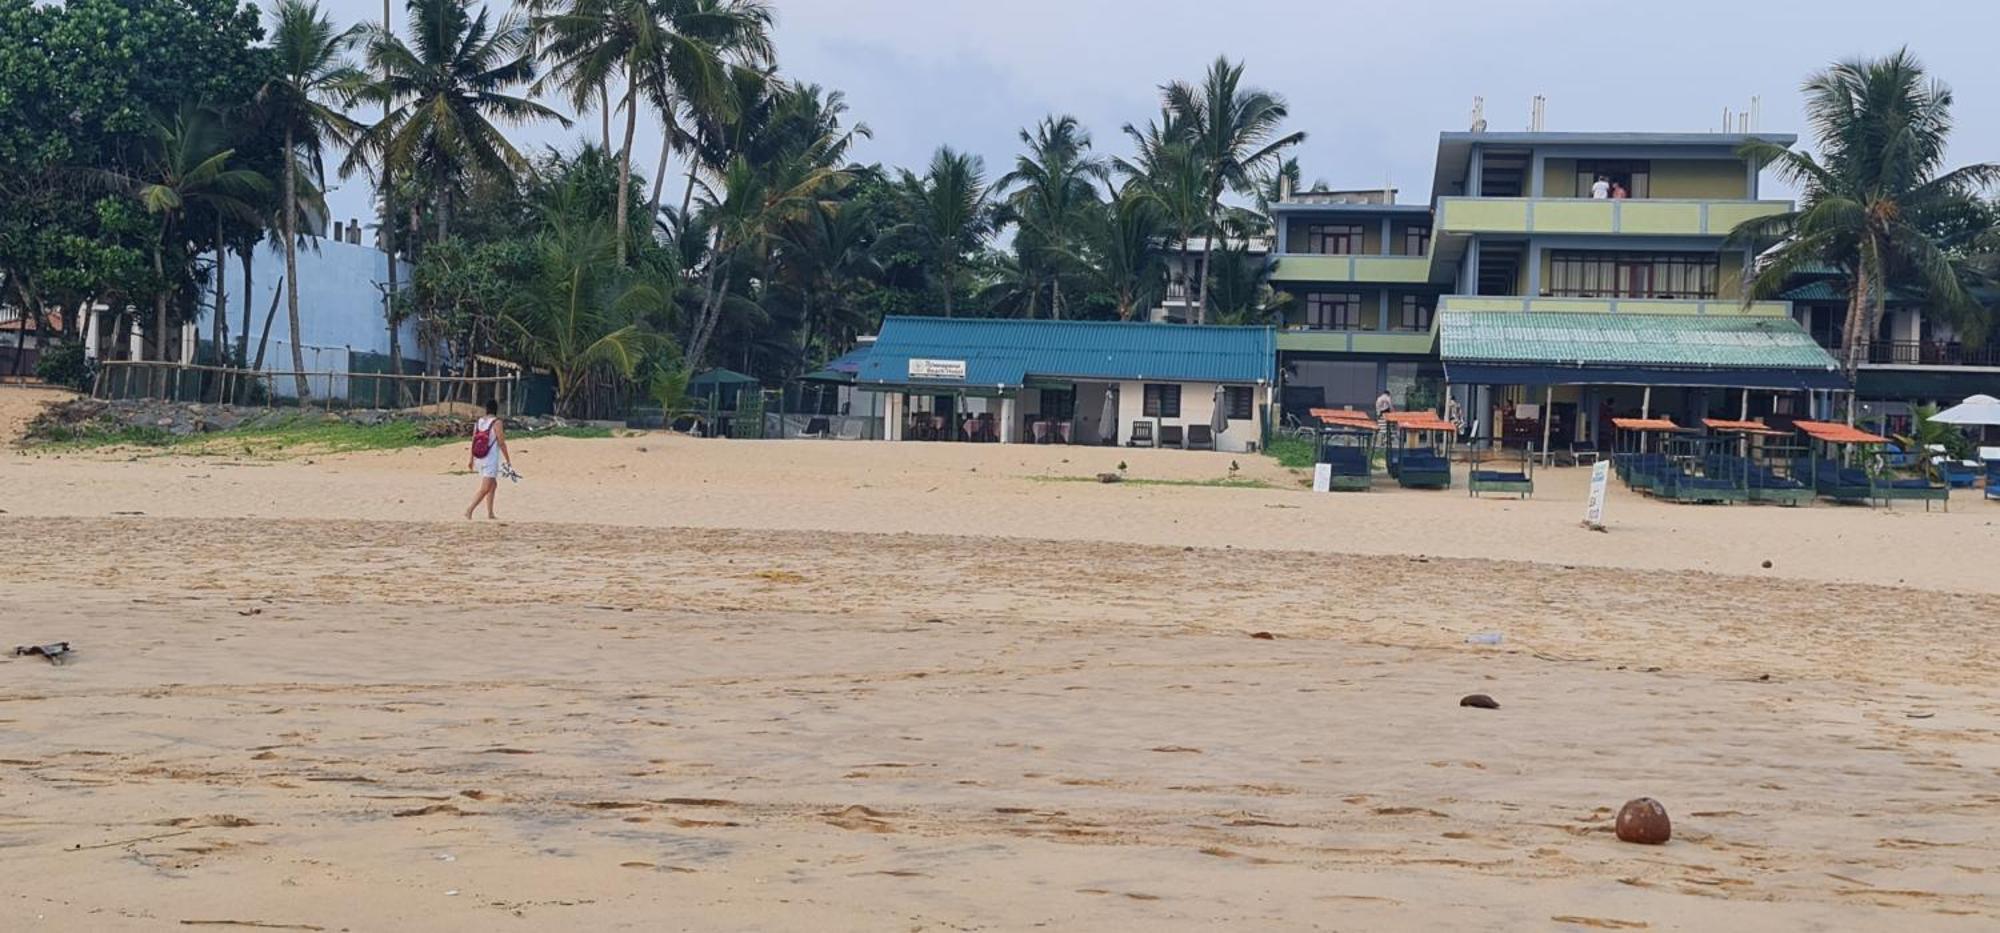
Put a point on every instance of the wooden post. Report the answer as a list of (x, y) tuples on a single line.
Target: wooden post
[(1548, 418)]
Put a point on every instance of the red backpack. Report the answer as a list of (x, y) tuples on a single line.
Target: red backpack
[(482, 441)]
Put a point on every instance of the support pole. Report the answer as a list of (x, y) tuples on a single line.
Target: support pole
[(1645, 413), (1548, 418)]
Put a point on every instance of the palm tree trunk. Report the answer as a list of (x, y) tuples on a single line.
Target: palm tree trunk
[(948, 270), (1201, 286), (243, 339), (292, 265), (620, 230), (604, 115), (660, 175), (687, 195), (160, 311), (389, 315), (1055, 298), (220, 327), (1853, 327)]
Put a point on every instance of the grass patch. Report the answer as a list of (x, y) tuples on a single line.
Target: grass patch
[(1292, 452), (279, 437), (1226, 482)]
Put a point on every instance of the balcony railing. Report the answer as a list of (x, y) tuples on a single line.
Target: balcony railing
[(1920, 353)]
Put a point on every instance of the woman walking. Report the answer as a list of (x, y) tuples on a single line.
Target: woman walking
[(489, 451)]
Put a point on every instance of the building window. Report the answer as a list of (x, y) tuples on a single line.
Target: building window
[(1416, 240), (1163, 401), (1333, 311), (1237, 403), (1414, 313), (1058, 404), (1333, 239), (1576, 274), (1635, 175)]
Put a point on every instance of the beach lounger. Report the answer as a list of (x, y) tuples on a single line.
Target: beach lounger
[(1199, 437), (1580, 453), (816, 427), (1959, 474), (1489, 475), (1170, 436), (1352, 471), (1993, 479), (1142, 434), (851, 431), (1422, 468)]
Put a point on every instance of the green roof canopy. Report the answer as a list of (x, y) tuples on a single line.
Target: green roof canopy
[(1560, 348), (716, 377)]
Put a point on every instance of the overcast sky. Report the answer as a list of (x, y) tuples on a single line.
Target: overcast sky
[(1372, 84)]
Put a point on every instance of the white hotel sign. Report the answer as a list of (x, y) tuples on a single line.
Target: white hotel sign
[(937, 369)]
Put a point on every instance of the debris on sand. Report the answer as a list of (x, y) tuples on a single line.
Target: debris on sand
[(1644, 821), (55, 652), (1479, 701)]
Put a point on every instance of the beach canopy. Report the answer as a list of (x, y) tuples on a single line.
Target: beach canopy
[(1740, 427), (1218, 416), (1646, 424), (1344, 418), (1833, 432), (1976, 409), (1420, 421)]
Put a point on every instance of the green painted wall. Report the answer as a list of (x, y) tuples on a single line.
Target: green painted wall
[(1559, 178), (1712, 179)]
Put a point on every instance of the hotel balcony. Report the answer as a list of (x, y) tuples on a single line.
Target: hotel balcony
[(1920, 353), (1357, 268), (1599, 217), (1711, 306)]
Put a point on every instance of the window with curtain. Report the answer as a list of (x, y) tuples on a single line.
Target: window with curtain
[(1237, 403), (1416, 240), (1162, 401), (1333, 239), (1580, 274), (1413, 313), (1333, 311)]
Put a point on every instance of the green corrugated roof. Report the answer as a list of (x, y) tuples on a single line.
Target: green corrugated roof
[(1834, 290), (1675, 340)]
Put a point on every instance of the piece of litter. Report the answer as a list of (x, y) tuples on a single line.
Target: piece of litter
[(451, 893), (447, 857), (56, 652), (1483, 638)]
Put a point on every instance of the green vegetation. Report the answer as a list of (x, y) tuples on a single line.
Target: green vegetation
[(281, 437), (1293, 452)]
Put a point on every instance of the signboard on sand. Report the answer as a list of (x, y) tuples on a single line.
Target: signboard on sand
[(1322, 477), (937, 369), (1600, 479)]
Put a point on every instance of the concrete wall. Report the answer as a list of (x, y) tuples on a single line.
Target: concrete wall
[(1197, 405)]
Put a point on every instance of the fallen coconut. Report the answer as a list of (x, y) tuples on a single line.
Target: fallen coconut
[(1644, 821), (1479, 701)]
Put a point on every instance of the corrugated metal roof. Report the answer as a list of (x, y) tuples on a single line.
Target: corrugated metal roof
[(1834, 290), (1004, 353), (1700, 341)]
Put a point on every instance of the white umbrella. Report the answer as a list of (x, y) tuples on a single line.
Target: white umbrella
[(1218, 418), (1977, 409), (1107, 426)]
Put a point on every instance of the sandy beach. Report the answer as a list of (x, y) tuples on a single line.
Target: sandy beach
[(729, 685)]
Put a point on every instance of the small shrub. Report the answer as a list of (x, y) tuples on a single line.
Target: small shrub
[(64, 365)]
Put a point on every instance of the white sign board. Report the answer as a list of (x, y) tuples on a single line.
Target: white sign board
[(937, 369), (1322, 477), (1600, 480)]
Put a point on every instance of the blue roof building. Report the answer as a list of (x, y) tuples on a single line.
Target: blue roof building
[(1088, 382)]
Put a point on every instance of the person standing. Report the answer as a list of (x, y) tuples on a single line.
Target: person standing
[(1454, 412), (489, 451), (1618, 192), (1600, 189)]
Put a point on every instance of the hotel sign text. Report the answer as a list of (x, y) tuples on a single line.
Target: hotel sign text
[(937, 369)]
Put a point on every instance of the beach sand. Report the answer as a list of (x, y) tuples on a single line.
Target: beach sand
[(722, 685)]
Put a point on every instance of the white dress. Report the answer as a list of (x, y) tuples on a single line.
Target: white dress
[(489, 465)]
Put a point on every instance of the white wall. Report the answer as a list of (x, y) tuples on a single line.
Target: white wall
[(340, 305), (1197, 405)]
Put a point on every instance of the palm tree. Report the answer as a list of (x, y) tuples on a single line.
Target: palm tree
[(952, 214), (580, 310), (1872, 203), (1166, 169), (1125, 241), (753, 204), (311, 69), (664, 51), (445, 88), (1056, 197), (187, 170), (1233, 131)]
